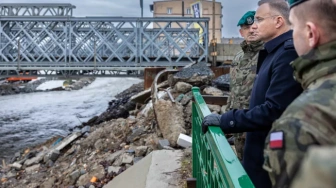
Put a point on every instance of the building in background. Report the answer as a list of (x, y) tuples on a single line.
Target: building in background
[(180, 8)]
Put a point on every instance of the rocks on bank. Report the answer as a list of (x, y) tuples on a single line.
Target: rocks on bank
[(99, 150), (37, 85)]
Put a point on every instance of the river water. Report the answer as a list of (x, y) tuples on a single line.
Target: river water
[(30, 119)]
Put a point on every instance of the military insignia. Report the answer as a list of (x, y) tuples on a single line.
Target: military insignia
[(276, 140), (249, 20)]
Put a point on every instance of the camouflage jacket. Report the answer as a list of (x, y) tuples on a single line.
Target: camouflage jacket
[(309, 120), (242, 74), (317, 169)]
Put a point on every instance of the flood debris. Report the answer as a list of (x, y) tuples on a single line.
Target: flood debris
[(135, 123)]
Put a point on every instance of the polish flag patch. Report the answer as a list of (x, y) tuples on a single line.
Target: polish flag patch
[(276, 140)]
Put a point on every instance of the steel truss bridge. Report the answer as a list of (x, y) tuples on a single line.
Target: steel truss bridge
[(46, 40)]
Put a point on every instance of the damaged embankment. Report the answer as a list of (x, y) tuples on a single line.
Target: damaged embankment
[(107, 145)]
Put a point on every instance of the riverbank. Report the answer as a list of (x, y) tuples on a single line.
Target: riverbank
[(28, 119), (108, 144), (43, 84)]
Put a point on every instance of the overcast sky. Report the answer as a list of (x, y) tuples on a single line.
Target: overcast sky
[(232, 11)]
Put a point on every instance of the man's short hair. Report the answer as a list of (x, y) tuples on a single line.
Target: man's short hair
[(280, 6), (322, 12)]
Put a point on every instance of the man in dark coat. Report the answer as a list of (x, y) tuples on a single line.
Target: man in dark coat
[(273, 90)]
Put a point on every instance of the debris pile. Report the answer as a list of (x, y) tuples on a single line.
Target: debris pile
[(222, 82), (105, 146)]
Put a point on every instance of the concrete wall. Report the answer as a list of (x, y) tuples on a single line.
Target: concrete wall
[(225, 52)]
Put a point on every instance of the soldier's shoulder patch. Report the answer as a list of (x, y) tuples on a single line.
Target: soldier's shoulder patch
[(276, 140)]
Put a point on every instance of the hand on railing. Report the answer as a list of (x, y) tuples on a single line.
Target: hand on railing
[(210, 120)]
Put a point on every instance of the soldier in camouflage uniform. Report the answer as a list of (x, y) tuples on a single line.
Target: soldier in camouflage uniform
[(311, 118), (243, 72), (317, 169)]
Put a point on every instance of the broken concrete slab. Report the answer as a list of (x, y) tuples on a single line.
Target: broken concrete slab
[(163, 143), (141, 151), (214, 108), (158, 169), (182, 87), (67, 141), (184, 141), (197, 75), (35, 160), (213, 91), (170, 120)]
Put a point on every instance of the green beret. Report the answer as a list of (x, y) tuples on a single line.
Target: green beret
[(247, 19), (293, 3)]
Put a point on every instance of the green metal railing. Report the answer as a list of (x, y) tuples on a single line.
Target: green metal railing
[(214, 163)]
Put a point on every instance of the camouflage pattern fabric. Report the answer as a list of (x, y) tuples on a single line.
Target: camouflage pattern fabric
[(309, 120), (318, 169), (242, 74)]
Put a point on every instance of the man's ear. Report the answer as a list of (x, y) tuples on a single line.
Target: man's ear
[(279, 21), (313, 34), (241, 32)]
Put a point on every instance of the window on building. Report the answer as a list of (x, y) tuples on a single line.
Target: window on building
[(188, 11), (169, 10)]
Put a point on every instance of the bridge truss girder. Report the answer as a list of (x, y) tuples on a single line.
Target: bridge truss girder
[(36, 9), (99, 43)]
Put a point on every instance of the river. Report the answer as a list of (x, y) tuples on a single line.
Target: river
[(30, 119)]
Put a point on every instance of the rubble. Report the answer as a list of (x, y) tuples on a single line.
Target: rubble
[(182, 87), (222, 82), (213, 91), (214, 108), (196, 75), (79, 84), (118, 108), (110, 143)]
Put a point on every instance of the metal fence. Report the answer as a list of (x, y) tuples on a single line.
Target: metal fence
[(214, 163)]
